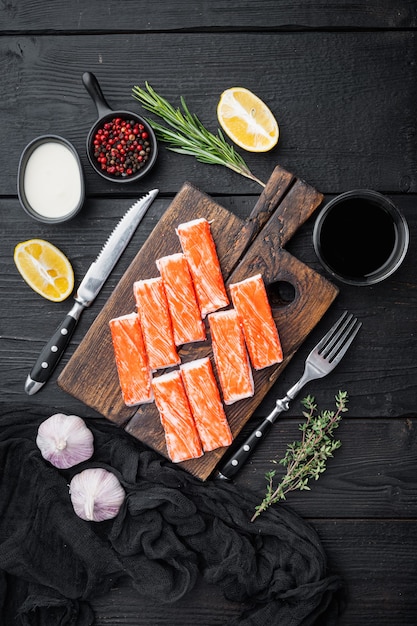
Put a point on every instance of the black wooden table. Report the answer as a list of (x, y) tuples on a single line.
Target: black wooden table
[(341, 81)]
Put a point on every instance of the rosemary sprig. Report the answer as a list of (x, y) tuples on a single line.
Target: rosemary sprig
[(306, 459), (188, 135)]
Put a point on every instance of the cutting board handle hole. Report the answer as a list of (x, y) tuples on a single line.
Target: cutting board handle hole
[(280, 293)]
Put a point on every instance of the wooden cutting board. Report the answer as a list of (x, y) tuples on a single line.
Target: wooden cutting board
[(244, 248)]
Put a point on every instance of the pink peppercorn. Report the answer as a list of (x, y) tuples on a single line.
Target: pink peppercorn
[(121, 147)]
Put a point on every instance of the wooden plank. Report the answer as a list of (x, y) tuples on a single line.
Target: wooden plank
[(376, 560), (268, 15), (360, 147)]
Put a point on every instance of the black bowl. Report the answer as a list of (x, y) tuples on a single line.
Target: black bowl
[(361, 237), (106, 115)]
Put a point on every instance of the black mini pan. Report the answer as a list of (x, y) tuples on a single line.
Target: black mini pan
[(106, 115)]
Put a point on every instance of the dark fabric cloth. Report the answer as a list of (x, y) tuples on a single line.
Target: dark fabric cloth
[(171, 528)]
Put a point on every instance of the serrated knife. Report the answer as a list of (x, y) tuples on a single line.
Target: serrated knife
[(89, 288)]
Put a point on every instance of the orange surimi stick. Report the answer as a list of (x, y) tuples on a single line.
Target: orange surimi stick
[(156, 323), (200, 251), (179, 289), (181, 435), (230, 355), (206, 405), (131, 360), (251, 303)]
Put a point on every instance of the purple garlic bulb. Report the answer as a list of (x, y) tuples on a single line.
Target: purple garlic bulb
[(65, 440), (96, 494)]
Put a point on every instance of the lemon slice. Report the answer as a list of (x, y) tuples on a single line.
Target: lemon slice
[(45, 269), (247, 120)]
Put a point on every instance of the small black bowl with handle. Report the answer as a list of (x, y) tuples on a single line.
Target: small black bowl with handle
[(121, 146)]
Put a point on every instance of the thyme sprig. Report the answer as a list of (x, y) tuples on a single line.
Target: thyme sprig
[(306, 459), (187, 134)]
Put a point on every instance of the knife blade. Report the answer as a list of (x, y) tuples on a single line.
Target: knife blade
[(90, 286)]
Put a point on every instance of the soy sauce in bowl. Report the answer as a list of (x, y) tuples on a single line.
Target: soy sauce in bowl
[(361, 237)]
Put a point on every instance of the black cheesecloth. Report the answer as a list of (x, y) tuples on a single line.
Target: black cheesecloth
[(171, 528)]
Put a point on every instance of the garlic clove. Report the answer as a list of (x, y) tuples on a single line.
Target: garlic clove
[(65, 440), (96, 494)]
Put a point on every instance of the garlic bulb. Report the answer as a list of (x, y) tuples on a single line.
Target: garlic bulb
[(65, 440), (96, 494)]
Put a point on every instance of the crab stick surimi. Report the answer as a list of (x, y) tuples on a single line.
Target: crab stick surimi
[(206, 405), (181, 434), (182, 303), (200, 251), (251, 303), (156, 323), (230, 356), (131, 360)]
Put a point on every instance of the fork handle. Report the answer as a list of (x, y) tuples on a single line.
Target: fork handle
[(241, 455)]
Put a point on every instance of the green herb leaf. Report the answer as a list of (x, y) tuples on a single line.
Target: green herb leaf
[(187, 135), (306, 459)]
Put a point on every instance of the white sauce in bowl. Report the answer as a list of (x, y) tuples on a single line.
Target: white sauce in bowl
[(52, 180)]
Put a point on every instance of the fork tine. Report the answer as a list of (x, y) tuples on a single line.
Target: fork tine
[(331, 333), (343, 344), (343, 328)]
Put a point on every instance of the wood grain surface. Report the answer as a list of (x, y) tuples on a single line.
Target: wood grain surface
[(352, 86), (182, 16), (340, 78), (244, 249)]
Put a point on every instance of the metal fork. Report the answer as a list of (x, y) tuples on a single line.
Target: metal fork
[(320, 362)]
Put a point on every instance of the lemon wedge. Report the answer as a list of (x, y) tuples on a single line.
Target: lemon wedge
[(247, 120), (45, 269)]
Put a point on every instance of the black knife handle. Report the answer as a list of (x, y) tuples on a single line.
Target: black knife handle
[(241, 455), (52, 352)]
